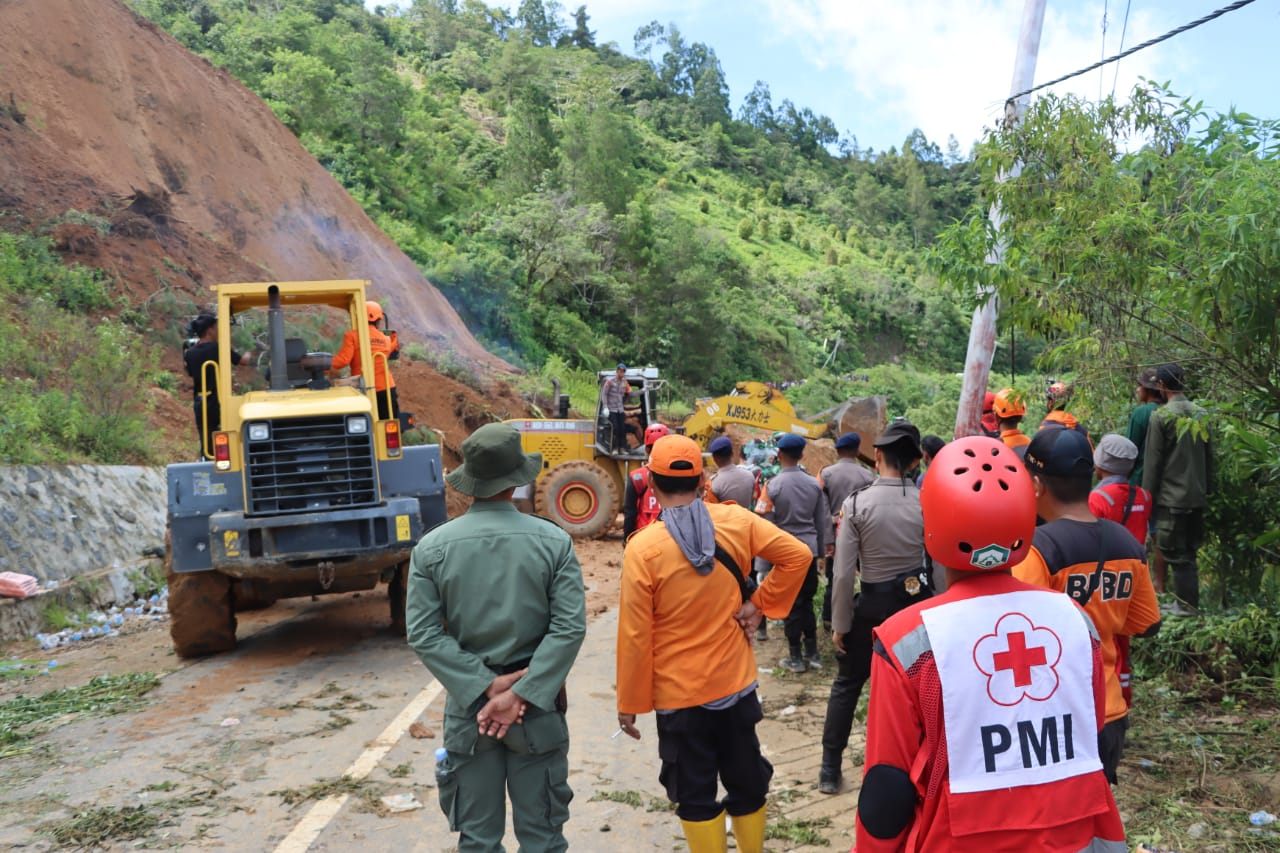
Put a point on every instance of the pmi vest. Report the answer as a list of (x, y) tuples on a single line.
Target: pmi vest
[(647, 507), (1017, 687)]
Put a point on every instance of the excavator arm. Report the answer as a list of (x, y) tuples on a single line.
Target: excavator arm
[(750, 404)]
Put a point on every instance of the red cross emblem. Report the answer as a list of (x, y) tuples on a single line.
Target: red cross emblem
[(1019, 660)]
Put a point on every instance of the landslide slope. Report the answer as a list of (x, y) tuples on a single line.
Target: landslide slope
[(143, 159)]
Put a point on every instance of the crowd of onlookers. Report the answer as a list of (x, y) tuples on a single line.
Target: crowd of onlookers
[(987, 588)]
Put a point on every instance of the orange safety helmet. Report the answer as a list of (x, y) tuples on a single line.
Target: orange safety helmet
[(979, 506), (655, 432), (374, 310), (1008, 404)]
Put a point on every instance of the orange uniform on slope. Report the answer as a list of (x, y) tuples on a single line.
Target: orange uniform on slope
[(678, 643), (378, 343)]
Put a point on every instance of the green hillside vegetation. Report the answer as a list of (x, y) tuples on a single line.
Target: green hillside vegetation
[(71, 379), (572, 200)]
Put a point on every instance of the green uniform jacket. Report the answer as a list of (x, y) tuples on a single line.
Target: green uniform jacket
[(1178, 472), (490, 589), (1139, 424)]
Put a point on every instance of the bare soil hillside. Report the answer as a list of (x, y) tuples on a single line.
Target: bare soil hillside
[(187, 178)]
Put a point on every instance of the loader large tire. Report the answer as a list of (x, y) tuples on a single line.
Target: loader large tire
[(579, 496), (202, 619)]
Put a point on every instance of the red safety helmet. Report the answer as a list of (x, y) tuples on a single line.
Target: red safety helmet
[(373, 309), (1058, 393), (1008, 404), (655, 432), (978, 504)]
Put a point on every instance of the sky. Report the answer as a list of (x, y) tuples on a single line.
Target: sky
[(882, 69)]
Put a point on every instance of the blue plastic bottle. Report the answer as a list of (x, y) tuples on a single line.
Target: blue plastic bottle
[(443, 772)]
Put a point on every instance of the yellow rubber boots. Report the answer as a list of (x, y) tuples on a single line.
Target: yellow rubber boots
[(748, 832), (707, 836)]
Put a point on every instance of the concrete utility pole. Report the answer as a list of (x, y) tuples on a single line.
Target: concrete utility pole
[(982, 334)]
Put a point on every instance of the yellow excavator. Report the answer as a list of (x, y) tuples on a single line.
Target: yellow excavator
[(582, 480)]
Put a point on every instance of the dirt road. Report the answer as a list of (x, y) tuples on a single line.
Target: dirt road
[(247, 751)]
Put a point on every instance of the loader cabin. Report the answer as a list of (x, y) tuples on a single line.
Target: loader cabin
[(291, 324), (641, 407)]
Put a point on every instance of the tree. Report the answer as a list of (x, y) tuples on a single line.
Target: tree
[(534, 20), (648, 37), (757, 107), (582, 36), (711, 94), (530, 151)]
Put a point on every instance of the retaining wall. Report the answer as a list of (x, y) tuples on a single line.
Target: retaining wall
[(63, 521)]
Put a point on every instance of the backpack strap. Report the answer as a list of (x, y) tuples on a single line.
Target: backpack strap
[(745, 586), (1082, 597), (1128, 505)]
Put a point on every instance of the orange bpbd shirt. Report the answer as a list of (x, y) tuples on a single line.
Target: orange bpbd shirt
[(378, 343), (1065, 557), (678, 643)]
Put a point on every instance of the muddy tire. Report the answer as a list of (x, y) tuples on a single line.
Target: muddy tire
[(579, 496), (397, 590), (202, 619)]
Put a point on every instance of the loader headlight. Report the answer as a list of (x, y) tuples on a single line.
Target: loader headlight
[(259, 432), (358, 425)]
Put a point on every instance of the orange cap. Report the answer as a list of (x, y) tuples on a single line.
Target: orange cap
[(676, 456)]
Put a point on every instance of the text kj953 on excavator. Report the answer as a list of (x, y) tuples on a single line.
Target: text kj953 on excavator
[(308, 491)]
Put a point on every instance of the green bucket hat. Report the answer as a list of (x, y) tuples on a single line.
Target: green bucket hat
[(492, 460)]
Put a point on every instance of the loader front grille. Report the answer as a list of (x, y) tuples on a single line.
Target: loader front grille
[(310, 464)]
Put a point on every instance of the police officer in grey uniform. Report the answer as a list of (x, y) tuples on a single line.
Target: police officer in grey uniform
[(794, 501), (879, 569), (730, 482), (840, 480), (496, 611)]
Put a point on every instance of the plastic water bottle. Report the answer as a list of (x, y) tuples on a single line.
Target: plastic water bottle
[(443, 771), (1262, 818)]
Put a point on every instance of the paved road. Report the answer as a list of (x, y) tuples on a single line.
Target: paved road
[(325, 690)]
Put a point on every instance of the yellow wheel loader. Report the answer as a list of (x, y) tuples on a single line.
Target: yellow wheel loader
[(304, 489)]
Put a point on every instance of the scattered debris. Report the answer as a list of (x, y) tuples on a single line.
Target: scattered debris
[(229, 722), (25, 717), (91, 827), (420, 731), (396, 803), (106, 623), (628, 798), (787, 711), (802, 831)]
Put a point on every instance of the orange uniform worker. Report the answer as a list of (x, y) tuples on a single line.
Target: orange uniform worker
[(685, 615), (985, 700), (1094, 561), (379, 342), (1009, 410)]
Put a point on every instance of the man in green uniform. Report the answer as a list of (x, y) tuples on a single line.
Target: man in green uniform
[(1179, 475), (496, 611)]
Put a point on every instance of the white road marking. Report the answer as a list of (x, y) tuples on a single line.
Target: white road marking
[(318, 817)]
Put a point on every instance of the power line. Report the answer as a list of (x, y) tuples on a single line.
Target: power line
[(1239, 4)]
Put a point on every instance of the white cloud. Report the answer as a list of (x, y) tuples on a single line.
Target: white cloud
[(946, 66)]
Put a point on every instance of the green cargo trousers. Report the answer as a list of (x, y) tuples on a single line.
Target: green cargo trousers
[(531, 764)]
